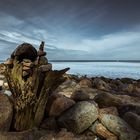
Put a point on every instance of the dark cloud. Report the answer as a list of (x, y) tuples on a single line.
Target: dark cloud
[(71, 26)]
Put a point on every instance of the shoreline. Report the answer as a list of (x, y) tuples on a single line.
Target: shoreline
[(104, 97), (66, 106)]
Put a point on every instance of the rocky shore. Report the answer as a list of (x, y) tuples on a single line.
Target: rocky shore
[(81, 108), (38, 103)]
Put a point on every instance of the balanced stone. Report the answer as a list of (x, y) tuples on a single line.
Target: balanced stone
[(8, 61), (24, 51), (45, 68), (25, 68)]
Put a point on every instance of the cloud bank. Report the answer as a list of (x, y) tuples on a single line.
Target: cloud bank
[(82, 29)]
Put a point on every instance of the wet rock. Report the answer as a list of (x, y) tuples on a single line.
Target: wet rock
[(100, 84), (100, 130), (133, 120), (60, 105), (6, 112), (109, 110), (79, 117), (118, 126)]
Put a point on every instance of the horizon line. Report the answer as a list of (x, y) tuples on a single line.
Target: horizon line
[(53, 60)]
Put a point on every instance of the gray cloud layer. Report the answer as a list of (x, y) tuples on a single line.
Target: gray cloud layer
[(72, 29)]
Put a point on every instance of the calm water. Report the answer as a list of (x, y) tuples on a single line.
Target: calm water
[(107, 69)]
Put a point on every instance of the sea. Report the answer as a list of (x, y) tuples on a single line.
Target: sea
[(98, 69)]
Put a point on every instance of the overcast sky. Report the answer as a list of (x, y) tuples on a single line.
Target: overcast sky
[(72, 29)]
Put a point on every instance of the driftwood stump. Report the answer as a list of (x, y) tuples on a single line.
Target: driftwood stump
[(31, 80)]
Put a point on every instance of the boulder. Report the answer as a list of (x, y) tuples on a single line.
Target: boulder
[(133, 120), (84, 93), (85, 83), (79, 117), (79, 95), (60, 105), (100, 84), (100, 130), (6, 112), (66, 88), (106, 99), (118, 126)]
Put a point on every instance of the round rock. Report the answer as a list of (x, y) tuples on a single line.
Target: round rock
[(79, 117), (118, 126)]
